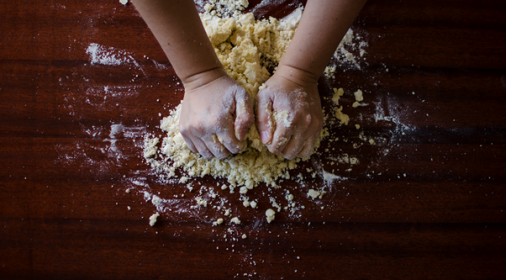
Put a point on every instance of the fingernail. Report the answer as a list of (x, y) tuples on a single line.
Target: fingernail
[(265, 136)]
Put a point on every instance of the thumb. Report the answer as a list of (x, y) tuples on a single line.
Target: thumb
[(244, 114), (265, 118)]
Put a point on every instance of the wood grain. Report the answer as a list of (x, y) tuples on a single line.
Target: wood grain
[(426, 201)]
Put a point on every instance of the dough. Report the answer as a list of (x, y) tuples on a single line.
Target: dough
[(246, 47)]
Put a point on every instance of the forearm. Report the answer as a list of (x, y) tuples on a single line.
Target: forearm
[(177, 27), (322, 27)]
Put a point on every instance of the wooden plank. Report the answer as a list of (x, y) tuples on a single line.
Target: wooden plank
[(426, 201)]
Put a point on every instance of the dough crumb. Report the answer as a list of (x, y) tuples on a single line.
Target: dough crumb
[(359, 95), (342, 117), (153, 219), (271, 214), (315, 194), (337, 95), (235, 220), (201, 201), (282, 118), (218, 222)]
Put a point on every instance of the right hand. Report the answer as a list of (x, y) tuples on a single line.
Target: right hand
[(216, 114), (294, 92)]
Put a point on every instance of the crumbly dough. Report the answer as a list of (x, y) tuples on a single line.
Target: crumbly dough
[(315, 194), (270, 214), (235, 220), (153, 219), (359, 95), (246, 47)]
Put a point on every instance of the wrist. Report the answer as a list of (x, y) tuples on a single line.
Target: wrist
[(296, 75), (203, 78)]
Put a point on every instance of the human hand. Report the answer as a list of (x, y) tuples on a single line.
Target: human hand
[(216, 114), (289, 114)]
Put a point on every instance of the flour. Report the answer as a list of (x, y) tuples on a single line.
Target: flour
[(282, 118), (348, 55), (107, 55)]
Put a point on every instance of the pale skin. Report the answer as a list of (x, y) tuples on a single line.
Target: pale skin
[(217, 112)]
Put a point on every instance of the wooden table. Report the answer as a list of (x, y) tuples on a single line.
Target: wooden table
[(72, 127)]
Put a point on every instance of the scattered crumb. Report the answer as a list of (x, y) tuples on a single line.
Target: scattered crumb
[(315, 194), (218, 222), (235, 220), (270, 215), (359, 95), (153, 219), (201, 201)]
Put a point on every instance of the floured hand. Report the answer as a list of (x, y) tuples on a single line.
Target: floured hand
[(289, 114), (216, 114)]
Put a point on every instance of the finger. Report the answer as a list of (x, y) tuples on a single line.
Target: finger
[(202, 149), (244, 114), (281, 138), (307, 149), (187, 139), (265, 121), (216, 148), (228, 140), (294, 147), (190, 144)]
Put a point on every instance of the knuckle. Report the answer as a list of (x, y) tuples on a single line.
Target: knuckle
[(182, 128), (206, 155), (233, 149), (223, 155), (308, 119), (272, 148), (305, 154)]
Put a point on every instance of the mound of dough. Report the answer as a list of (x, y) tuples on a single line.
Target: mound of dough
[(247, 48)]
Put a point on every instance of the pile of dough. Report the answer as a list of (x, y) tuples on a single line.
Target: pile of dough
[(247, 48)]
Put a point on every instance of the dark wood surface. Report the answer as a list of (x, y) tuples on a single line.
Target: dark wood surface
[(436, 211)]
